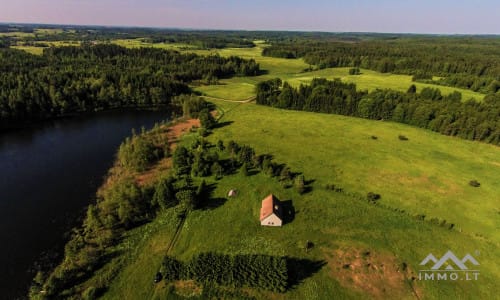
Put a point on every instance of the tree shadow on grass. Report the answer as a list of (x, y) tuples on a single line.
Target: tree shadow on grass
[(207, 202), (300, 268), (222, 124), (253, 172)]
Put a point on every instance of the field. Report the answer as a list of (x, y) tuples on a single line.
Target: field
[(424, 177), (137, 43), (292, 70)]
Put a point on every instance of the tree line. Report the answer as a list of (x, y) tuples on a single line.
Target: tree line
[(69, 80), (428, 109), (470, 63)]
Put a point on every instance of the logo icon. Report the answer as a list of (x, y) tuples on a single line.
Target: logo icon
[(449, 267), (449, 256)]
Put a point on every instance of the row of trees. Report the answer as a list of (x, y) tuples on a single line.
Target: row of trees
[(427, 109), (462, 62), (256, 271), (69, 80)]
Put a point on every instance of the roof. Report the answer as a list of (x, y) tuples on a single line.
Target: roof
[(270, 205)]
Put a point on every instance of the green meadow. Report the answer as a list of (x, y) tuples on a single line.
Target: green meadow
[(139, 42), (293, 71), (428, 174), (421, 175)]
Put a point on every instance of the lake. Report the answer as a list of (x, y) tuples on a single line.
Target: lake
[(49, 173)]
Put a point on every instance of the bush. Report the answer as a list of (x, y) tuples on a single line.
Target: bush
[(300, 184), (244, 169), (373, 197), (474, 183), (137, 153), (258, 271), (172, 269), (354, 71)]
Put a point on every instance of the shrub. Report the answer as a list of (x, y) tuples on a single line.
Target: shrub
[(300, 184), (373, 197), (172, 269), (474, 183), (244, 169), (354, 71), (137, 153)]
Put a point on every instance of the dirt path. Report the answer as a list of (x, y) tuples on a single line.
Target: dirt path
[(176, 234), (248, 100)]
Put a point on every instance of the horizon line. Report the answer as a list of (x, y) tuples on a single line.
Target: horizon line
[(247, 30)]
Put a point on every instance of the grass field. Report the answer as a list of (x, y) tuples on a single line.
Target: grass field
[(428, 174), (292, 70), (420, 175), (39, 50), (137, 43)]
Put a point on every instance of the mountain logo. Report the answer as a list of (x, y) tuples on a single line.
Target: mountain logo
[(450, 260)]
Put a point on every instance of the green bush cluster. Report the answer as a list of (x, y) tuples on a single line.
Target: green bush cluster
[(138, 152), (257, 271)]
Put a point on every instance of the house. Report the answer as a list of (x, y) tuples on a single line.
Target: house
[(271, 212)]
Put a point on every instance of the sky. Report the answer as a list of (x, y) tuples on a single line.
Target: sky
[(395, 16)]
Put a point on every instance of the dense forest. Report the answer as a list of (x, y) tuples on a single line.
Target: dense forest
[(471, 63), (429, 109), (71, 80)]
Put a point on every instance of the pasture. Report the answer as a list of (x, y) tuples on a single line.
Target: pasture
[(373, 240)]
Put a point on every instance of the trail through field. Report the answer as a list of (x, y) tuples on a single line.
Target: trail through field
[(176, 234), (248, 100)]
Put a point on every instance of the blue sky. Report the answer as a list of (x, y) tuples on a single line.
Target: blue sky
[(424, 16)]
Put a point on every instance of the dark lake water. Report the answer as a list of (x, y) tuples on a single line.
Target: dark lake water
[(48, 175)]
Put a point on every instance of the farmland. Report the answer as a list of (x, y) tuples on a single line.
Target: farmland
[(375, 197)]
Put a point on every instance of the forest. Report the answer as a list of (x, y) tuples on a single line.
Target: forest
[(71, 80), (426, 109), (465, 62)]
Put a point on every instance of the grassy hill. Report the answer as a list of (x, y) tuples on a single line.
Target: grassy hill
[(361, 249)]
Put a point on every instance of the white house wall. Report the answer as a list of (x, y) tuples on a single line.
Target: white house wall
[(271, 220)]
